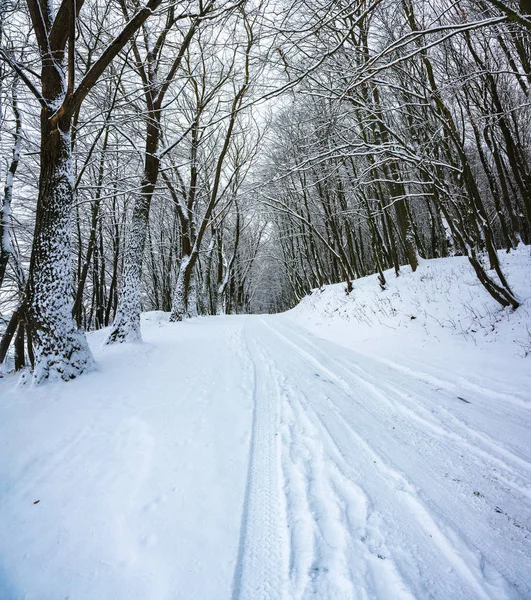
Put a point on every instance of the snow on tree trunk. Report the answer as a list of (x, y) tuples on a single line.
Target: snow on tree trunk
[(179, 302), (450, 242), (191, 299), (126, 326), (6, 248), (220, 304), (206, 305), (61, 351)]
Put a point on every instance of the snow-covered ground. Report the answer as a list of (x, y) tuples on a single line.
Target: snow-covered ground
[(437, 322), (342, 450)]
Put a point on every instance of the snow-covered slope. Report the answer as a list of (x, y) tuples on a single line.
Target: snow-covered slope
[(439, 319), (251, 458)]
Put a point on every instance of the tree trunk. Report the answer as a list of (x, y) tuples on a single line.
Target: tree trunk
[(61, 351), (191, 303), (126, 326), (180, 295), (5, 221)]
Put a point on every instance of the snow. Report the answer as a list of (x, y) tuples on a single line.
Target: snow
[(61, 351), (341, 450), (435, 323), (139, 469)]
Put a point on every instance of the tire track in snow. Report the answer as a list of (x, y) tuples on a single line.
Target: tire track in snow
[(344, 562), (495, 454), (322, 508), (318, 548), (463, 560), (450, 386), (482, 437), (260, 572), (490, 499), (394, 373), (433, 426), (405, 491), (517, 483)]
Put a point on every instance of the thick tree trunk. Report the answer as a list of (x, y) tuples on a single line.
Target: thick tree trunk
[(126, 326), (180, 295), (61, 351), (191, 300)]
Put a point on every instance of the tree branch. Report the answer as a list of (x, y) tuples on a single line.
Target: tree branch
[(18, 70), (94, 73)]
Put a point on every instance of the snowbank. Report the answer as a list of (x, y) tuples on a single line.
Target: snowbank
[(439, 315)]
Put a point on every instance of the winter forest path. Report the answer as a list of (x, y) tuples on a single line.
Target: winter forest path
[(245, 458), (367, 481)]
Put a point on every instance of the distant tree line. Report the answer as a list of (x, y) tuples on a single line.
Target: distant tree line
[(412, 140)]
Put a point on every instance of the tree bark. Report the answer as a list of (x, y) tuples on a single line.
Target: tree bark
[(126, 326), (61, 350)]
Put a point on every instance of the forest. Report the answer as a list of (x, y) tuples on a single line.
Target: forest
[(265, 299), (228, 156)]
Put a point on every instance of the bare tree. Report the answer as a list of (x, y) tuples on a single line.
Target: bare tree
[(60, 349)]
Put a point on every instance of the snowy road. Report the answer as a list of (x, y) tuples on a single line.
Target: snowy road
[(366, 482), (244, 458)]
